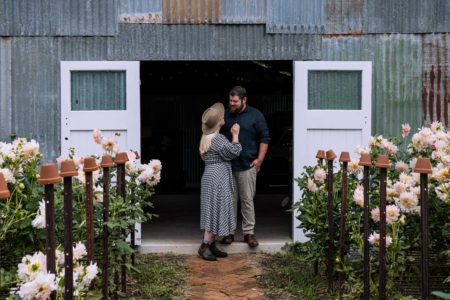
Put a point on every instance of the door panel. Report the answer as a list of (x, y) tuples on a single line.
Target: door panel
[(332, 110), (102, 95)]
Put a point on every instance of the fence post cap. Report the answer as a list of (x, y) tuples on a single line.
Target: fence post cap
[(4, 192), (365, 160), (121, 158), (68, 169), (331, 155), (107, 161), (320, 154), (345, 157), (423, 166), (90, 164), (382, 161), (49, 174)]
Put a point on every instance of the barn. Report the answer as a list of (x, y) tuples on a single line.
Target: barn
[(326, 74)]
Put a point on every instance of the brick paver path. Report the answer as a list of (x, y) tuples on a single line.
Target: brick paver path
[(233, 277)]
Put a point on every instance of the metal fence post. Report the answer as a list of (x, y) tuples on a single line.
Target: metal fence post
[(423, 166), (366, 162), (344, 158), (90, 165), (121, 159), (106, 163), (67, 171), (382, 163), (48, 177), (330, 266)]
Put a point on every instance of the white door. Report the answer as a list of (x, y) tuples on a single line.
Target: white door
[(332, 110), (101, 95)]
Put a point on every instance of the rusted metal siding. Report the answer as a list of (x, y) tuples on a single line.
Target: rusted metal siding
[(58, 18), (191, 11), (397, 76), (436, 78), (408, 16), (202, 12), (319, 16), (5, 89), (209, 42)]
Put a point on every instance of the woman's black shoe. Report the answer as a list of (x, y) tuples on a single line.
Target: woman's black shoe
[(205, 252), (216, 250)]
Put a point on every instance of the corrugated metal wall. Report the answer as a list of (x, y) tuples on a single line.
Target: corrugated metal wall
[(397, 75), (408, 16), (313, 17), (58, 18), (411, 71), (5, 88), (243, 12), (436, 78), (191, 11), (209, 42)]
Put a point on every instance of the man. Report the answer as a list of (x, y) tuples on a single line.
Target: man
[(254, 138)]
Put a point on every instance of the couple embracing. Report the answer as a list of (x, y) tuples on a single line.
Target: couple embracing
[(233, 146)]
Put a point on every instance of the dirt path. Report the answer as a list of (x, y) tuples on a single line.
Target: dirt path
[(233, 277)]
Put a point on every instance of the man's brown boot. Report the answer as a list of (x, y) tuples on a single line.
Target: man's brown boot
[(251, 240)]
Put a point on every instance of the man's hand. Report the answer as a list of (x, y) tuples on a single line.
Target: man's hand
[(256, 164)]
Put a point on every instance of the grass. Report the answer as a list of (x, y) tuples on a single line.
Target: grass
[(285, 276), (159, 277)]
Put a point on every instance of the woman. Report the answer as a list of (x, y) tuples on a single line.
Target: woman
[(217, 214)]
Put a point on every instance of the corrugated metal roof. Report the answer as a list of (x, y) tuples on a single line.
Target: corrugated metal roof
[(191, 11), (408, 16), (319, 16), (436, 78), (58, 18), (209, 42), (397, 76), (5, 89)]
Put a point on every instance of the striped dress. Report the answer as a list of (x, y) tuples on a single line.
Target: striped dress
[(217, 213)]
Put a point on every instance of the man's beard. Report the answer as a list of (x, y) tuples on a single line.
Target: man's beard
[(237, 110)]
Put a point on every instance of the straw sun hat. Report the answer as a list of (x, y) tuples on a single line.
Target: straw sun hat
[(211, 118)]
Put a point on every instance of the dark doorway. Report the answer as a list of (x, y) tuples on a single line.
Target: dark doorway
[(173, 97)]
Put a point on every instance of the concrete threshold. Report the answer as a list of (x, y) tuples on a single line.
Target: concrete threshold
[(191, 247)]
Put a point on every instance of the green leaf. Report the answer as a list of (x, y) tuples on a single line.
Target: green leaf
[(441, 294)]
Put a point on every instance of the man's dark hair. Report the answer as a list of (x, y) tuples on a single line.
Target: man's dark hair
[(238, 91)]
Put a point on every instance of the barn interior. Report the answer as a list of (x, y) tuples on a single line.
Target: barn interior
[(173, 98)]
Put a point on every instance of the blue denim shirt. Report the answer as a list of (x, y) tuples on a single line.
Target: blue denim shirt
[(253, 131)]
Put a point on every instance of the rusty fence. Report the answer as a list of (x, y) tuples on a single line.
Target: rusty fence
[(423, 166), (49, 176)]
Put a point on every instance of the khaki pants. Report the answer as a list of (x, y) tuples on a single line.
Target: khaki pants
[(245, 188)]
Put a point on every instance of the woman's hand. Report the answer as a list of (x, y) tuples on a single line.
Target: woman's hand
[(235, 129)]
